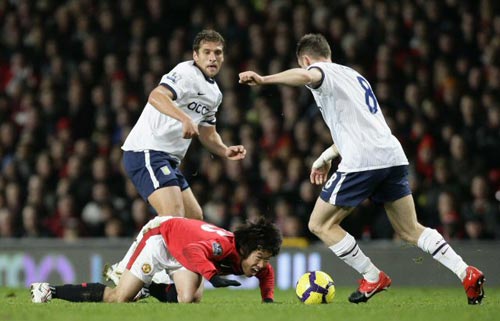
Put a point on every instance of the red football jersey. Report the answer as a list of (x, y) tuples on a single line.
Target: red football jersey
[(209, 250)]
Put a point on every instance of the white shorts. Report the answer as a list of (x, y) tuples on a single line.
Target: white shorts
[(151, 254)]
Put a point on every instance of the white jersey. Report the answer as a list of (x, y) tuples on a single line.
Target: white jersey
[(195, 94), (356, 123)]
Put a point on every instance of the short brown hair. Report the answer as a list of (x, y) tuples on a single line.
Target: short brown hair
[(207, 35), (314, 45)]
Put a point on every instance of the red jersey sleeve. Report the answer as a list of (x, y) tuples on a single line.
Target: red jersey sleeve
[(199, 256), (266, 282)]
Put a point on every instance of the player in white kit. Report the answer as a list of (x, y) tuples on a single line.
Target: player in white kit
[(373, 166), (181, 107)]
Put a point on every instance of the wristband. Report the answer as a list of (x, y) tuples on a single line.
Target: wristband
[(329, 154)]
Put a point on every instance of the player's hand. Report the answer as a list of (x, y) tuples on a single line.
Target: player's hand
[(189, 129), (319, 173), (220, 282), (251, 78), (236, 152)]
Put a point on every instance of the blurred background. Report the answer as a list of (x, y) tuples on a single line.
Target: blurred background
[(75, 75)]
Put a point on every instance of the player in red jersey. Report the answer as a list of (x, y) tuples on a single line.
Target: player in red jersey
[(189, 250)]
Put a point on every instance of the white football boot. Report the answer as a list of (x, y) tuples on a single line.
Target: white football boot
[(40, 293), (112, 273)]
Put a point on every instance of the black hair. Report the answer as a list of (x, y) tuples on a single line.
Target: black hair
[(314, 45), (207, 35), (259, 235)]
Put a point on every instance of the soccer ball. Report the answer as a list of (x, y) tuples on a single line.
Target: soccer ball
[(315, 287)]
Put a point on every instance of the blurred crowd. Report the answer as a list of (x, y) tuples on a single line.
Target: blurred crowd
[(75, 75)]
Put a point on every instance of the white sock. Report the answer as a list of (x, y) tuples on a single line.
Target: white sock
[(349, 252), (432, 242)]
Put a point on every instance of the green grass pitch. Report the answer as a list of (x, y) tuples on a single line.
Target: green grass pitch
[(398, 303)]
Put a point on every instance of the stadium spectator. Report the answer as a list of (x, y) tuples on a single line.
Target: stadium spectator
[(31, 221), (451, 225), (394, 46), (481, 214)]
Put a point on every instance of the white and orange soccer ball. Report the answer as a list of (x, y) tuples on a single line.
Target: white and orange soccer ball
[(315, 287)]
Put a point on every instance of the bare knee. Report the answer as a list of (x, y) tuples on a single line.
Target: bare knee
[(113, 296), (196, 214), (314, 227), (197, 297), (318, 228), (122, 299), (185, 297)]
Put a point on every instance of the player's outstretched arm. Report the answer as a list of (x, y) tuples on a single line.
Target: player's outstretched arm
[(321, 166), (290, 77)]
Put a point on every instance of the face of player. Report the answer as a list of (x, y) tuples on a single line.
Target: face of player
[(256, 261), (209, 58)]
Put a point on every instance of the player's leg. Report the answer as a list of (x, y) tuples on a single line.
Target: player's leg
[(325, 223), (192, 208), (156, 177), (163, 287), (149, 260), (189, 286), (114, 272), (163, 292), (325, 220), (403, 218), (167, 201), (339, 196), (84, 292), (126, 290)]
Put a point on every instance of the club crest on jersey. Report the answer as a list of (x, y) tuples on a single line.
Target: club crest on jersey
[(174, 77), (146, 268), (165, 170), (217, 249)]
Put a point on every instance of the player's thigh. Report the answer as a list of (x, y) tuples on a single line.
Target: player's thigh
[(403, 218), (167, 201), (192, 208), (151, 256), (325, 221), (326, 213), (126, 290), (189, 286), (339, 196)]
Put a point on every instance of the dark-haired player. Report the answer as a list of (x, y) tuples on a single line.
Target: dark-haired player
[(188, 250), (373, 165), (183, 106)]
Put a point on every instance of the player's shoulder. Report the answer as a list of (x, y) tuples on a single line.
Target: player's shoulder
[(332, 66), (187, 68), (328, 68)]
